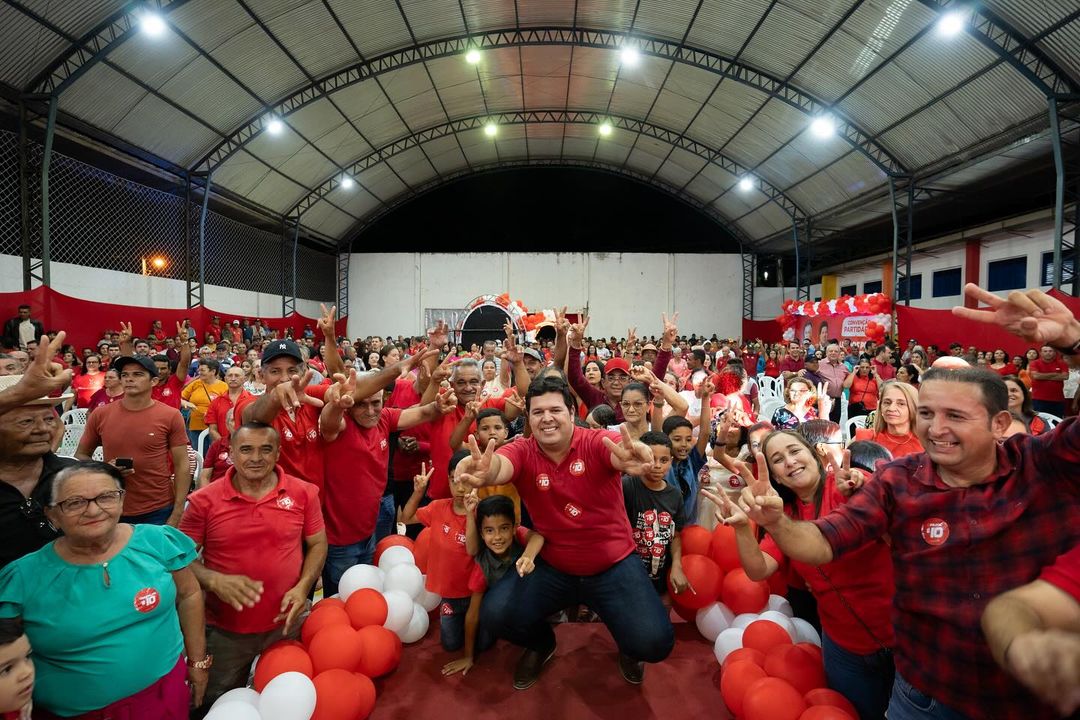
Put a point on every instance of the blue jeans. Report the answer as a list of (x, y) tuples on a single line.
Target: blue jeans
[(452, 626), (154, 517), (865, 680), (907, 703), (340, 558), (387, 520), (515, 608)]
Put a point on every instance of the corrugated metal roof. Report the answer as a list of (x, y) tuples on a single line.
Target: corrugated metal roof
[(75, 18), (789, 33), (668, 20), (343, 142), (206, 91), (549, 12), (412, 166), (1032, 17), (157, 127), (380, 180), (276, 192), (726, 24), (500, 75), (434, 18), (154, 60), (1064, 45), (489, 14), (414, 96), (240, 173), (307, 166), (209, 22), (312, 38), (101, 97), (26, 47), (258, 63), (375, 27)]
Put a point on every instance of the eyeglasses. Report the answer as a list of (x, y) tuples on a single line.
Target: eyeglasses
[(634, 405), (76, 505)]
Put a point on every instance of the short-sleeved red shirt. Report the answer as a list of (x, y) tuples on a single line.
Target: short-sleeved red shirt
[(1065, 573), (441, 452), (301, 449), (864, 578), (449, 564), (1048, 390), (217, 413), (354, 476), (262, 539), (218, 461), (168, 393), (577, 505)]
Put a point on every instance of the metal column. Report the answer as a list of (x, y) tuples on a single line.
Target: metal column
[(1066, 190), (288, 299), (46, 161), (24, 196), (749, 268), (343, 279), (903, 216), (186, 219), (196, 295), (802, 262)]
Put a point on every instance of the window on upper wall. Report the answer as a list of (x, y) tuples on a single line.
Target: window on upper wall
[(1008, 274), (871, 287), (1047, 275), (915, 283), (849, 289), (947, 282)]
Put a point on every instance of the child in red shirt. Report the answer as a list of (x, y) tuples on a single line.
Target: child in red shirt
[(449, 562), (16, 671)]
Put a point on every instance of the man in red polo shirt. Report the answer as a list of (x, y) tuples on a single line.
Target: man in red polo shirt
[(356, 429), (883, 369), (263, 545), (570, 478), (1048, 375), (291, 406), (968, 519), (793, 363)]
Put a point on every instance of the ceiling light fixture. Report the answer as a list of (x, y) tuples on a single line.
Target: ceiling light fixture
[(347, 182), (490, 129), (746, 184), (951, 23), (823, 126), (630, 56), (472, 56), (605, 129), (152, 24), (274, 126)]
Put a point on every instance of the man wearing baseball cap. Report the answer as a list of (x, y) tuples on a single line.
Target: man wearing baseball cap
[(291, 406), (151, 440)]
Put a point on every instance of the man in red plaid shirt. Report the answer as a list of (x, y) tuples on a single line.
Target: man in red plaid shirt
[(968, 519)]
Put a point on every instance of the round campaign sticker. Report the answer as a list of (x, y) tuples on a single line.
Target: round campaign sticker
[(146, 600), (935, 531), (572, 510), (543, 482), (577, 468)]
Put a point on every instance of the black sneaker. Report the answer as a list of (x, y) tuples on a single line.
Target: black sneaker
[(632, 670), (529, 667)]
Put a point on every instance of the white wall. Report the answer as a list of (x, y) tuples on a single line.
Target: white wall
[(388, 292), (122, 288)]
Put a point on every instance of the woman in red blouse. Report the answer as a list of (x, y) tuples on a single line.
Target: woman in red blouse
[(1020, 405), (863, 389), (88, 382), (894, 423), (772, 365)]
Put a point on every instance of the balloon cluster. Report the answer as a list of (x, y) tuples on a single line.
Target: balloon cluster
[(345, 643), (771, 661), (872, 304)]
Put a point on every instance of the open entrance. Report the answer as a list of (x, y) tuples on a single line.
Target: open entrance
[(484, 323)]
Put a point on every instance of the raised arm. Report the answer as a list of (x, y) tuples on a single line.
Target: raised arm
[(334, 364), (338, 399), (461, 430), (667, 340), (288, 395), (757, 564), (585, 391), (42, 377), (562, 327), (184, 362), (483, 468)]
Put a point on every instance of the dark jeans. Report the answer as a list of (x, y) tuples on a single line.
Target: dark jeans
[(1048, 406), (386, 524), (452, 626), (865, 680), (340, 558), (154, 517), (515, 608), (907, 703)]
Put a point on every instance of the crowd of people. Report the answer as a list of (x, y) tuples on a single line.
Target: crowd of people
[(936, 548)]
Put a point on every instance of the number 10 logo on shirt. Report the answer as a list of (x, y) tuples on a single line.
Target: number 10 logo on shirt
[(146, 600)]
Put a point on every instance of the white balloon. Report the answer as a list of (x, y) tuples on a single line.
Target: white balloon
[(289, 696), (428, 599), (780, 603), (726, 643), (395, 555), (243, 694), (741, 621), (399, 610), (713, 619), (418, 625), (782, 620), (357, 577), (406, 578), (805, 632), (235, 710)]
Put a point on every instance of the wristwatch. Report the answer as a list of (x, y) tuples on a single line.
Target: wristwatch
[(203, 664), (1072, 350)]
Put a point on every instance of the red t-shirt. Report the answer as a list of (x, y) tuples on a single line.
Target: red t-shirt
[(1048, 390), (169, 392), (218, 460), (449, 565), (863, 577), (899, 446), (1006, 369), (100, 399), (218, 412), (864, 390), (1065, 573), (771, 368), (441, 452), (577, 505), (85, 386), (354, 476), (301, 449), (793, 366), (885, 371), (262, 539), (406, 465)]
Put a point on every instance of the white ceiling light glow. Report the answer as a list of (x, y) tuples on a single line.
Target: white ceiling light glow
[(274, 126), (347, 182), (152, 24), (746, 184), (490, 129), (629, 56), (823, 127), (605, 129), (951, 23), (472, 56)]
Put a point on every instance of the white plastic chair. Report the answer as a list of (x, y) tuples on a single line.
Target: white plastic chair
[(768, 407), (770, 388), (72, 435), (1050, 420), (76, 416), (202, 443), (856, 423)]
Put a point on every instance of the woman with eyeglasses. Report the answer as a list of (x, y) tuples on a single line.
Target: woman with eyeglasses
[(88, 382), (863, 389), (110, 391), (894, 421), (113, 611), (804, 402)]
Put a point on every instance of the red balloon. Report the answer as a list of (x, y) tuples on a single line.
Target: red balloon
[(381, 651), (366, 607), (328, 602), (772, 699), (391, 541), (322, 617), (342, 695), (723, 550), (688, 614), (744, 654), (764, 635), (695, 540), (336, 646), (813, 649), (421, 548), (743, 595), (827, 696), (800, 668), (704, 576), (281, 658), (826, 712), (735, 679)]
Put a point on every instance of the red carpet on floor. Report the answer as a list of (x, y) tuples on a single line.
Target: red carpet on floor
[(582, 682)]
